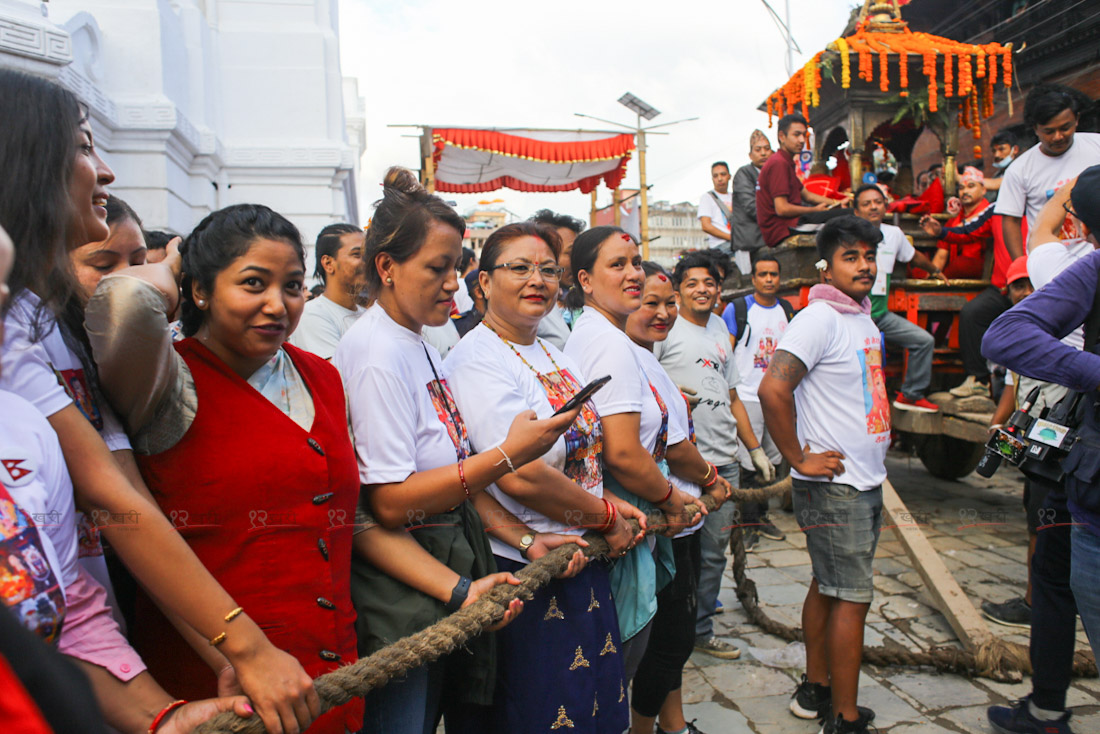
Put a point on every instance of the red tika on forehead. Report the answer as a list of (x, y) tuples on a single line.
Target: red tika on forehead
[(661, 277), (627, 237)]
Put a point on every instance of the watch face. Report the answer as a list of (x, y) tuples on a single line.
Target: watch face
[(526, 541)]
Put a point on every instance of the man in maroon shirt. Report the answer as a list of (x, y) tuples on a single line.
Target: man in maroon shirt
[(779, 192)]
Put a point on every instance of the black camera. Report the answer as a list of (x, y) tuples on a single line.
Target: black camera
[(1036, 445)]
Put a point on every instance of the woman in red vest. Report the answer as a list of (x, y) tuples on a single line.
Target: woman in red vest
[(243, 441)]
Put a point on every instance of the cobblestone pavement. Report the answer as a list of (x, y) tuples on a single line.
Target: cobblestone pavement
[(987, 559)]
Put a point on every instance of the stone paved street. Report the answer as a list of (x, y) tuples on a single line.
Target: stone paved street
[(988, 561)]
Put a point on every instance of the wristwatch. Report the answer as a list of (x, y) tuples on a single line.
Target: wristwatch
[(526, 542), (459, 594)]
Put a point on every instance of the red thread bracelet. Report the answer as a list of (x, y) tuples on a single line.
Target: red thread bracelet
[(667, 496), (712, 479), (164, 714), (462, 478)]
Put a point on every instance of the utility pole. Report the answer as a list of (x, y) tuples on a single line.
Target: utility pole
[(784, 26), (647, 112)]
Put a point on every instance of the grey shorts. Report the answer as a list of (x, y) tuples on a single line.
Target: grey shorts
[(842, 526)]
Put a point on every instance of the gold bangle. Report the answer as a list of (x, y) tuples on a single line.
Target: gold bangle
[(234, 614), (218, 640)]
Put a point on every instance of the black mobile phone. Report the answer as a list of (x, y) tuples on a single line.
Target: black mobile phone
[(586, 392)]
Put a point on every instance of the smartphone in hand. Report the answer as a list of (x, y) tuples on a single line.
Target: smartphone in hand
[(586, 392)]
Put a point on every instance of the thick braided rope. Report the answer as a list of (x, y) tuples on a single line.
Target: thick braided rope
[(452, 632)]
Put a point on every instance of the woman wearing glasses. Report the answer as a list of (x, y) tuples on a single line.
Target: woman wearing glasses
[(502, 368), (418, 469)]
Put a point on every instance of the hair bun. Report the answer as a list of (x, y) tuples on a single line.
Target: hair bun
[(403, 180)]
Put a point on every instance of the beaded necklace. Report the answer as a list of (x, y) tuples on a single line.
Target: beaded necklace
[(521, 357)]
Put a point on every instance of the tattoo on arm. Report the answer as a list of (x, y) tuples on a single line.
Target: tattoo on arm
[(786, 367)]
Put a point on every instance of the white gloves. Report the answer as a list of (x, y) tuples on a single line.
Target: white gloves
[(760, 461)]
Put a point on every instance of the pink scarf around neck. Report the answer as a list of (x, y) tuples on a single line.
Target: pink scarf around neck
[(842, 302)]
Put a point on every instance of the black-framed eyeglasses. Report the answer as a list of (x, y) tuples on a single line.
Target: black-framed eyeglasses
[(524, 270), (1068, 210)]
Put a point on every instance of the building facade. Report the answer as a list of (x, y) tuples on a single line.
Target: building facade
[(200, 104), (674, 228)]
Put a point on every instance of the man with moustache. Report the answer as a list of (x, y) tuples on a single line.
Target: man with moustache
[(961, 252), (745, 237)]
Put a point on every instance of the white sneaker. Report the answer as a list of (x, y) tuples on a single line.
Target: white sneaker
[(970, 387)]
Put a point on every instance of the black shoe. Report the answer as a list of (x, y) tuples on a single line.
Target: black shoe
[(750, 538), (840, 725), (826, 714), (693, 729), (769, 530), (810, 700), (1017, 719), (1012, 613)]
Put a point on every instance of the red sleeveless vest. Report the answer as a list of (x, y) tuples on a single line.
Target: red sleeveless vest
[(268, 508)]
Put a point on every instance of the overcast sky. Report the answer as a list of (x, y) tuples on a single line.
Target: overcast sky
[(497, 63)]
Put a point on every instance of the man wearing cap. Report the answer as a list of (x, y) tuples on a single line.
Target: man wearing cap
[(745, 237), (962, 255)]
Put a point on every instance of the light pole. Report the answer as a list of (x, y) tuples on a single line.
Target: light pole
[(785, 29), (648, 112)]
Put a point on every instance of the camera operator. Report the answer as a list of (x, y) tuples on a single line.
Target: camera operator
[(1026, 340)]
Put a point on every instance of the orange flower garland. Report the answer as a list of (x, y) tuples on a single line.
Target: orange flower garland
[(974, 62)]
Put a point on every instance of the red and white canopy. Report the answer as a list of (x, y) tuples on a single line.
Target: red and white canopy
[(471, 161)]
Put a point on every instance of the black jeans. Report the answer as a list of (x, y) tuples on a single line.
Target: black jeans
[(673, 635), (974, 320), (1053, 608)]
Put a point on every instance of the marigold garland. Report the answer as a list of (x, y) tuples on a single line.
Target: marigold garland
[(974, 62)]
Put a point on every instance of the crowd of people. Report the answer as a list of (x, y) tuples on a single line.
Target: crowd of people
[(214, 489)]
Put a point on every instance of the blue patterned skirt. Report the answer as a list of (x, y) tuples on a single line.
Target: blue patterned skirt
[(560, 665)]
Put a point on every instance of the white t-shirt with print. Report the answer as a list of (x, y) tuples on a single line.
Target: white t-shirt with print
[(701, 359), (32, 469), (599, 348), (324, 322), (492, 386), (1034, 177), (841, 403), (764, 326), (47, 374), (679, 422), (708, 207), (402, 420), (895, 246), (38, 547)]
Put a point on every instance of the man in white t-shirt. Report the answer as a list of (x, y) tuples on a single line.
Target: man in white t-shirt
[(870, 205), (1051, 110), (756, 323), (697, 355), (829, 367), (714, 207), (326, 318)]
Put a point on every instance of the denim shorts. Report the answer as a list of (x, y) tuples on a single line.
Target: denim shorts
[(842, 526)]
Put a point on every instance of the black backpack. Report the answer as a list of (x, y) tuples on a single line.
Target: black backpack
[(741, 315)]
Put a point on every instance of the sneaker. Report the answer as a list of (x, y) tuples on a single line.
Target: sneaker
[(862, 725), (920, 405), (717, 648), (719, 607), (1012, 613), (693, 729), (750, 538), (1017, 719), (767, 529), (970, 386), (810, 700)]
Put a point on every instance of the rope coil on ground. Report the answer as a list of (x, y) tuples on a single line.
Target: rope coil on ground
[(998, 660)]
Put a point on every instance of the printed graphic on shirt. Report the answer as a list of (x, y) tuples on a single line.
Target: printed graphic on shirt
[(662, 435), (28, 585), (875, 403), (76, 385), (765, 348), (447, 410), (583, 439), (88, 542), (713, 383), (691, 421)]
